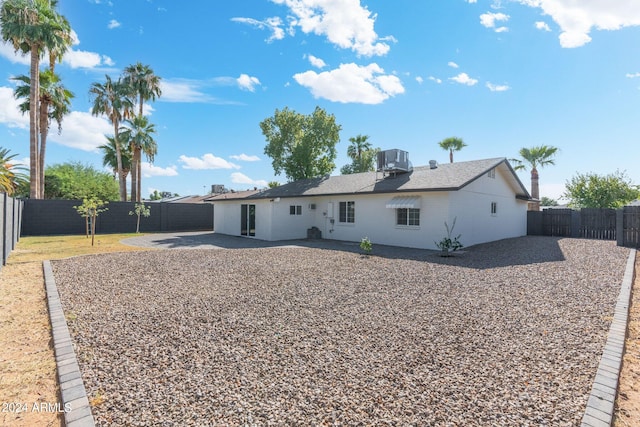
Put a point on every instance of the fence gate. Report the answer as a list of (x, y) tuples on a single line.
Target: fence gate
[(556, 222), (631, 226), (597, 223)]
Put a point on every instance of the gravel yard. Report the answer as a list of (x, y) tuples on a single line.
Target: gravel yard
[(508, 333)]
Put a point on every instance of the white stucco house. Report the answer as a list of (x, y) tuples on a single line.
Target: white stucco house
[(405, 209)]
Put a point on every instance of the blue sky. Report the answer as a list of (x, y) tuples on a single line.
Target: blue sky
[(502, 75)]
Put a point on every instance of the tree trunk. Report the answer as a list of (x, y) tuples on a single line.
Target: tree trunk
[(535, 191), (450, 155), (134, 176), (34, 92), (139, 176), (122, 180), (44, 130)]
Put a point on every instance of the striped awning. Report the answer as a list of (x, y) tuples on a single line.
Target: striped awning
[(400, 202)]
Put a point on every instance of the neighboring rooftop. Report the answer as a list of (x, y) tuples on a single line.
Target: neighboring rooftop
[(231, 195), (445, 177)]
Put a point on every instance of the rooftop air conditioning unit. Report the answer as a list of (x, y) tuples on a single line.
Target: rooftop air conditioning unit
[(394, 161)]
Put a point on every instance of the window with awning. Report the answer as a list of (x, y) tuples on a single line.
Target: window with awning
[(406, 202)]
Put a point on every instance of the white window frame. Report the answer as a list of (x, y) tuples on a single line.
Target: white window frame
[(408, 217), (347, 217)]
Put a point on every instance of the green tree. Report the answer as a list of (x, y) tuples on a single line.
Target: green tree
[(55, 103), (546, 201), (362, 154), (143, 82), (452, 144), (140, 210), (138, 136), (76, 181), (273, 184), (11, 175), (600, 191), (90, 209), (301, 146), (535, 157), (112, 100), (33, 26), (109, 157)]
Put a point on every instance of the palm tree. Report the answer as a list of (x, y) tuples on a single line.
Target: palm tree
[(112, 100), (535, 157), (452, 144), (359, 144), (139, 135), (109, 157), (143, 82), (146, 85), (10, 173), (55, 103), (33, 26)]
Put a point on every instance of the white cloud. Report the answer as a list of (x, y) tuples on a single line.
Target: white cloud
[(208, 161), (9, 111), (316, 62), (578, 18), (497, 88), (542, 26), (632, 75), (149, 170), (352, 83), (453, 64), (82, 131), (489, 20), (273, 24), (113, 24), (464, 79), (435, 79), (472, 1), (239, 178), (8, 52), (183, 90), (245, 158), (247, 82), (419, 79), (84, 59), (345, 23)]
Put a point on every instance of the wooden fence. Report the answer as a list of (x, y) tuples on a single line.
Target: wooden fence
[(622, 225)]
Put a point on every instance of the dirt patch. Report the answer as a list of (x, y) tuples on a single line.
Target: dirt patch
[(28, 375), (628, 401)]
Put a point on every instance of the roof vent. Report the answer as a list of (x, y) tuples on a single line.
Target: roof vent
[(433, 164)]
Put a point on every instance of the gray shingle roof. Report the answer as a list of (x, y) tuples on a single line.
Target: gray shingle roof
[(446, 177)]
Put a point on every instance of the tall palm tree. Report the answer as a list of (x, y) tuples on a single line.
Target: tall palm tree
[(452, 144), (109, 157), (535, 157), (33, 26), (143, 82), (112, 100), (55, 103), (139, 135), (11, 175), (146, 85)]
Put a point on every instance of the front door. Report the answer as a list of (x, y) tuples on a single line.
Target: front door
[(248, 220)]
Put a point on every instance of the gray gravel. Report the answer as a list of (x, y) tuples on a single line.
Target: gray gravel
[(508, 333)]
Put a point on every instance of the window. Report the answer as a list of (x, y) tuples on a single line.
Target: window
[(494, 208), (295, 210), (408, 216), (347, 212), (492, 173)]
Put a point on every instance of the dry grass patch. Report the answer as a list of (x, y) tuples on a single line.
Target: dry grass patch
[(627, 411), (28, 374)]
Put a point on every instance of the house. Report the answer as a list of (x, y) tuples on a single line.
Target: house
[(407, 209)]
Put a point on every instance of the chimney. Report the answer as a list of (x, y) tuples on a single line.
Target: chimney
[(433, 164)]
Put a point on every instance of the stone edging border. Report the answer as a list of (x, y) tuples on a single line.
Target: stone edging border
[(601, 404), (77, 412)]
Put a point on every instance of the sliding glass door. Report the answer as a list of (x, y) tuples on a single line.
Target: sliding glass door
[(248, 220)]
